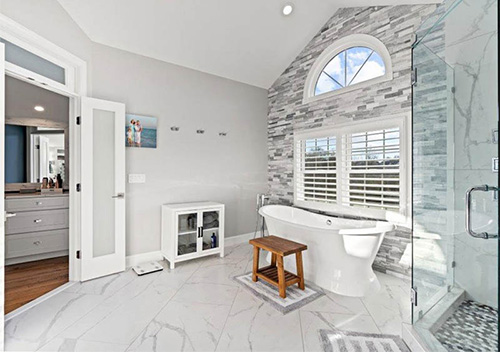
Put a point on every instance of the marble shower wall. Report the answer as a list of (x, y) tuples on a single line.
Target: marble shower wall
[(394, 26), (472, 50)]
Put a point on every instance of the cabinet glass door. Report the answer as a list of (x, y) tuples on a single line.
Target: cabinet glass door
[(210, 230), (187, 233)]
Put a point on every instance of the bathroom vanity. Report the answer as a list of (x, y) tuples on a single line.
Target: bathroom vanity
[(36, 227), (191, 230)]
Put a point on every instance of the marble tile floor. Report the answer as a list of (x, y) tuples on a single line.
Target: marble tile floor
[(196, 307)]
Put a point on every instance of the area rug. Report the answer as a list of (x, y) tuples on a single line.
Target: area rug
[(344, 341), (295, 297)]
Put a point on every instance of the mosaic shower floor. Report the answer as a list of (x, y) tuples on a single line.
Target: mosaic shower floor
[(472, 327)]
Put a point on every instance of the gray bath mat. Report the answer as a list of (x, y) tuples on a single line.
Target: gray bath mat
[(344, 341), (295, 297)]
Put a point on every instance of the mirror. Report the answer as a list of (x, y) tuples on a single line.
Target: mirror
[(36, 137), (33, 153)]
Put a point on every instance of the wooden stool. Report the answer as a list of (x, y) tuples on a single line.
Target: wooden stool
[(277, 275)]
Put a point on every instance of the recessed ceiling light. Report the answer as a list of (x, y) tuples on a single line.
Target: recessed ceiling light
[(39, 108), (287, 9)]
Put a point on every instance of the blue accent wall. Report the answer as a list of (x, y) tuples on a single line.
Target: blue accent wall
[(15, 154)]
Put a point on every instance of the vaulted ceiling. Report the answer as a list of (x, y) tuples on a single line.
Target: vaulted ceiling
[(247, 41)]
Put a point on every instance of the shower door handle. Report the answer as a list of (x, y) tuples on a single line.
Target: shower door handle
[(468, 220)]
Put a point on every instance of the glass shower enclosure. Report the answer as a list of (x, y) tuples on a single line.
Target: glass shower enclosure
[(455, 177)]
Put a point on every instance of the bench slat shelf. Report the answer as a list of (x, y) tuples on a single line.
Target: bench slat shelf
[(270, 274)]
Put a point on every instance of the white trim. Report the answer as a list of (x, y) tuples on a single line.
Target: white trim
[(403, 121), (239, 239), (2, 190), (39, 300), (333, 50), (75, 68), (136, 259)]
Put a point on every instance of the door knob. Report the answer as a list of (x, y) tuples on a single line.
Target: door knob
[(119, 196)]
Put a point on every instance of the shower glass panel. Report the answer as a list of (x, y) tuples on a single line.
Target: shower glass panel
[(455, 148), (433, 206)]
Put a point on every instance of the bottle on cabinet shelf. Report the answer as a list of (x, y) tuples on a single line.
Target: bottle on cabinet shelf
[(214, 240)]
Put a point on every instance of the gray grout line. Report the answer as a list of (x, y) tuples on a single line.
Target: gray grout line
[(163, 307), (301, 332), (90, 311), (371, 315), (227, 318)]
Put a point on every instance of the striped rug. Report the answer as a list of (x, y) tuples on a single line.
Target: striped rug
[(344, 341), (295, 297)]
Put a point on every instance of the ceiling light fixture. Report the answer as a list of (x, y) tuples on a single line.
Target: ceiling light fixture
[(39, 108), (288, 9)]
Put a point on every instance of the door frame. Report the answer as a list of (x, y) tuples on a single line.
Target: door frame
[(74, 89)]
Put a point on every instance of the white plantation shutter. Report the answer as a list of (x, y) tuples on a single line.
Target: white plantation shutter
[(371, 164), (357, 165), (317, 165)]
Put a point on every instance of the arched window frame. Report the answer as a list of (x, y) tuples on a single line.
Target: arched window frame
[(336, 48)]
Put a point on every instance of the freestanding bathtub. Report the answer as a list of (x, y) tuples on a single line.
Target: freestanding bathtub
[(340, 251)]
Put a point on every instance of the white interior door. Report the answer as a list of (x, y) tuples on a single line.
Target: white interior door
[(102, 188), (2, 188)]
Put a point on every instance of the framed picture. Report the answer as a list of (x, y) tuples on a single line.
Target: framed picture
[(140, 131)]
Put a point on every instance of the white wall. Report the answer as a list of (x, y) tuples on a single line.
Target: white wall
[(187, 166)]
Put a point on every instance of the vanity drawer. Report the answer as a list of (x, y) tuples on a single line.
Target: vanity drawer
[(36, 203), (36, 243), (34, 221)]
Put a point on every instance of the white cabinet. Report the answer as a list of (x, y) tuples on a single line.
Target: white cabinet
[(191, 230)]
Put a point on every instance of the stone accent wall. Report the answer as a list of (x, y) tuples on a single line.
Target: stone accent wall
[(394, 26)]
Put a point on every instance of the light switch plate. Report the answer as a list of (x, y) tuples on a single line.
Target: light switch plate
[(494, 164), (136, 178)]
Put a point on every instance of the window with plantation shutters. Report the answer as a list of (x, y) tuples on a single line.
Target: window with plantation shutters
[(359, 166), (317, 162), (371, 176)]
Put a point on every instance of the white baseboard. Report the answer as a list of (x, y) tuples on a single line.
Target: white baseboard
[(136, 259), (239, 239), (133, 260)]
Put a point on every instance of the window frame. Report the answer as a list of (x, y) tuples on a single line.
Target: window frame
[(347, 42), (75, 69), (401, 121)]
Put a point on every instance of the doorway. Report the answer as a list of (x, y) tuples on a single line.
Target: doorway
[(36, 192)]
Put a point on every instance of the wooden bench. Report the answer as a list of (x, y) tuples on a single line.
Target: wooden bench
[(275, 273)]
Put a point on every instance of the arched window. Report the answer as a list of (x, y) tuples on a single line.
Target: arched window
[(352, 62)]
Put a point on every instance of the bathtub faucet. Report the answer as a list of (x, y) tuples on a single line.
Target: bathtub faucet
[(262, 199)]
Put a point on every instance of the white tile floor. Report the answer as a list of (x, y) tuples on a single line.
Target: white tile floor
[(198, 307)]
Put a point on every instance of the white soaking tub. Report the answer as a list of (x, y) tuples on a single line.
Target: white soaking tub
[(340, 251)]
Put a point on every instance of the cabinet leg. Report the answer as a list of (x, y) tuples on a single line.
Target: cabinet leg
[(300, 270), (281, 277), (256, 252), (172, 265)]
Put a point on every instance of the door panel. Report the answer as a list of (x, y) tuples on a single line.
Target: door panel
[(210, 230), (103, 188), (188, 233), (2, 187)]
